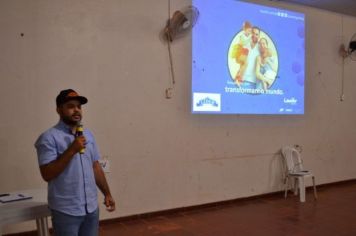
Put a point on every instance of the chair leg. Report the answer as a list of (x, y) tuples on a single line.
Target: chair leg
[(315, 195), (301, 189), (286, 183), (296, 185)]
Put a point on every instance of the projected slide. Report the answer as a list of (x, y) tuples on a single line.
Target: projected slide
[(247, 59)]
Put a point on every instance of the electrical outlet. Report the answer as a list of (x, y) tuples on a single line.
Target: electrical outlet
[(105, 164), (169, 93)]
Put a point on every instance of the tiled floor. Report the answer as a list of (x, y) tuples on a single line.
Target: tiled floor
[(334, 214)]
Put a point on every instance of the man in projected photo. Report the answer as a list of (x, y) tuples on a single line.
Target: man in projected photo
[(249, 79), (68, 159), (266, 68)]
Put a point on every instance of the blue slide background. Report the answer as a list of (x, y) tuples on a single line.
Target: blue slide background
[(219, 21)]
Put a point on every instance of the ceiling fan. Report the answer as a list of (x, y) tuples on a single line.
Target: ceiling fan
[(350, 50)]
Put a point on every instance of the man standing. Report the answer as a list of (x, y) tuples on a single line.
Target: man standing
[(69, 163), (249, 76)]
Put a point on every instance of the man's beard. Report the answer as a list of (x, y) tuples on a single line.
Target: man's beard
[(69, 121)]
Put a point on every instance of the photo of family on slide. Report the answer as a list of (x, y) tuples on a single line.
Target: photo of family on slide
[(253, 59)]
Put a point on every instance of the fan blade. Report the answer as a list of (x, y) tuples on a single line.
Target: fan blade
[(342, 51), (192, 14), (174, 25), (352, 46)]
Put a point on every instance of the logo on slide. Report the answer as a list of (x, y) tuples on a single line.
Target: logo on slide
[(291, 101), (206, 102)]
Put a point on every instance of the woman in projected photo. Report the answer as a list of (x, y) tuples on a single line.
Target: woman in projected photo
[(266, 68)]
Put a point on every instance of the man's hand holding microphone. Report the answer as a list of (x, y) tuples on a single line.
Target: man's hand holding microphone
[(80, 137), (79, 142)]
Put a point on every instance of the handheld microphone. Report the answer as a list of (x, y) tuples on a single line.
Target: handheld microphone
[(79, 132)]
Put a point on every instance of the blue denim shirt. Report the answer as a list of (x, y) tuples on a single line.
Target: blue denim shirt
[(73, 191)]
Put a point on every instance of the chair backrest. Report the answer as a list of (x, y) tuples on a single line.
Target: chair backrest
[(292, 159)]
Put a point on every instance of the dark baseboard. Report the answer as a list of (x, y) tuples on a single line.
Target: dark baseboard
[(196, 207), (214, 204)]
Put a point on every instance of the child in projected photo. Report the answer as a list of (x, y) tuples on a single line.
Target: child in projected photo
[(240, 50), (266, 68)]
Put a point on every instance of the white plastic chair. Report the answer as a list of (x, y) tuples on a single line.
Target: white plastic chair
[(295, 171)]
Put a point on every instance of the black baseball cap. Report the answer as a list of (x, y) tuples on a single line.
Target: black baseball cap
[(69, 94)]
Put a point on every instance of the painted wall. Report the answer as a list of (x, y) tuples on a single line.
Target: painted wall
[(161, 156)]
